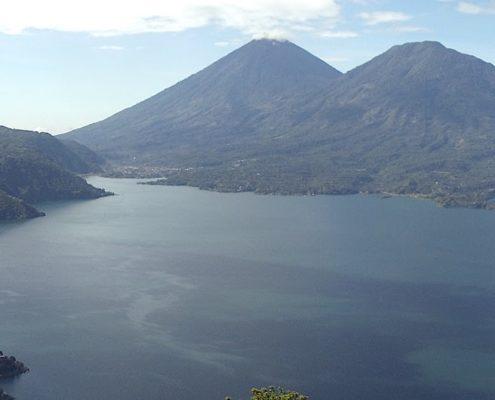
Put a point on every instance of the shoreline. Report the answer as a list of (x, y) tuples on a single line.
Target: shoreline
[(441, 202)]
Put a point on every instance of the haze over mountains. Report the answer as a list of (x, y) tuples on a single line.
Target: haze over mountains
[(270, 117)]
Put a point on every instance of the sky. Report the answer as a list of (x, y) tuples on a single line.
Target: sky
[(68, 63)]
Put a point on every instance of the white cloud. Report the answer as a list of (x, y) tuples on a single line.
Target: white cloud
[(339, 34), (384, 17), (303, 28), (272, 18), (476, 9), (222, 44), (110, 47), (469, 8), (364, 2), (410, 29)]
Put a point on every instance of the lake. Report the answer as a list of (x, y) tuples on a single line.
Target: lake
[(176, 293)]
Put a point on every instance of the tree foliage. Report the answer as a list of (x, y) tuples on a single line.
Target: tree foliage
[(273, 393)]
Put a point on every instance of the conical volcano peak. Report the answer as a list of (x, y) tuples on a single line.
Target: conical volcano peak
[(282, 57), (273, 41), (270, 42), (225, 98)]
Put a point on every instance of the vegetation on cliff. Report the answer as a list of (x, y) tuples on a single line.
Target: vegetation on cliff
[(272, 393), (36, 167), (11, 367), (12, 209), (5, 396)]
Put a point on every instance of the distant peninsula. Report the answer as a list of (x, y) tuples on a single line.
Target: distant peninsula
[(227, 183)]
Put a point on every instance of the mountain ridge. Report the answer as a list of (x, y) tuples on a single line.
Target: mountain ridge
[(36, 167), (417, 119), (228, 96)]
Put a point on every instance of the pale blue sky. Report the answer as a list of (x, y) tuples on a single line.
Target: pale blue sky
[(64, 64)]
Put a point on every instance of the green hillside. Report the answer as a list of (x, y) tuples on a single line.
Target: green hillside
[(36, 167)]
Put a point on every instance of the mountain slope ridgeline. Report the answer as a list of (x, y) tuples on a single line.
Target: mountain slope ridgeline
[(270, 117), (37, 167)]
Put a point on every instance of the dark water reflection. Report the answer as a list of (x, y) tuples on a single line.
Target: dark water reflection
[(175, 293)]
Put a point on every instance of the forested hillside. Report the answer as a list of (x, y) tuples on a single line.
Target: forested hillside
[(36, 167)]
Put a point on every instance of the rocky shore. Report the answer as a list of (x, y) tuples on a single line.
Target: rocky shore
[(5, 396), (10, 367)]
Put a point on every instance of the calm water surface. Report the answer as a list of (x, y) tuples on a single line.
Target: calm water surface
[(176, 293)]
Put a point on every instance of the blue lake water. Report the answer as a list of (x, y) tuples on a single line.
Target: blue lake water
[(176, 293)]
